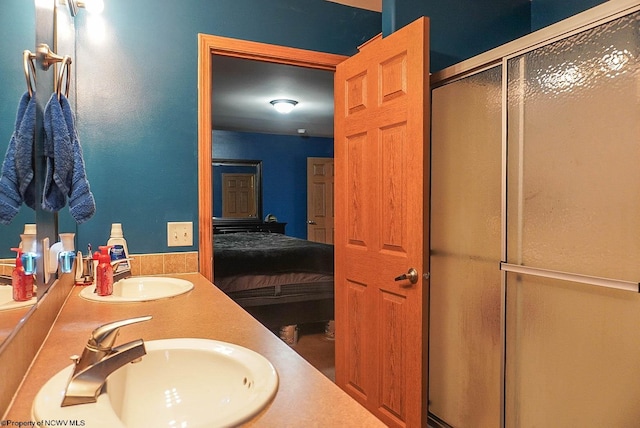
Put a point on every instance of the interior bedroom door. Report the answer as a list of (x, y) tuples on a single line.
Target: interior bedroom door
[(320, 214), (382, 217)]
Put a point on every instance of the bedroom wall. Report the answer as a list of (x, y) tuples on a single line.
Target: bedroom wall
[(284, 170)]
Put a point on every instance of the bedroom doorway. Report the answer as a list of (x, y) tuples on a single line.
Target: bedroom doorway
[(208, 46)]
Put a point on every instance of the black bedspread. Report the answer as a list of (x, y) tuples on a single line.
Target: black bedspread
[(268, 253)]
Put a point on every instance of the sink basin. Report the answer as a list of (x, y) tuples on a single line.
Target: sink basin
[(7, 302), (179, 383), (140, 289)]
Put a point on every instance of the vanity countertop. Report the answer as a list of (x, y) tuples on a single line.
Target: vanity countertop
[(305, 396)]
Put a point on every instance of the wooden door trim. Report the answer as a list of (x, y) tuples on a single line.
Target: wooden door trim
[(209, 45)]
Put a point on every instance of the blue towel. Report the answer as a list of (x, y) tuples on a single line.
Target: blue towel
[(65, 174), (16, 181)]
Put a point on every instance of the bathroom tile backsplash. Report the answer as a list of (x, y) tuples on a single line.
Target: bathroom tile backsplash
[(164, 263), (146, 264)]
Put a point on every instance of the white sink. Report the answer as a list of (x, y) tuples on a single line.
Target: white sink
[(179, 383), (7, 302), (140, 289)]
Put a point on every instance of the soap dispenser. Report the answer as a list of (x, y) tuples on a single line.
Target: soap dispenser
[(62, 254), (21, 282), (104, 272), (67, 256), (28, 252)]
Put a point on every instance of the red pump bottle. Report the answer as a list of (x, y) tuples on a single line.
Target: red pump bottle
[(21, 282), (104, 272)]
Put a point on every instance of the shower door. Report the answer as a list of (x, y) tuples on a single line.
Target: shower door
[(535, 231), (465, 347), (573, 231)]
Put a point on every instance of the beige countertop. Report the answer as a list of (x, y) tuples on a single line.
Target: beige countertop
[(305, 397)]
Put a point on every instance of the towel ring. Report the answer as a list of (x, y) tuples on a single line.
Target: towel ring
[(29, 70), (66, 65)]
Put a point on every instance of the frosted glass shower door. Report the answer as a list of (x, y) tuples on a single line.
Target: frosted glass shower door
[(465, 296), (573, 206)]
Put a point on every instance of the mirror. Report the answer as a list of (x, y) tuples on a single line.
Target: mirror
[(55, 28), (237, 189), (18, 20)]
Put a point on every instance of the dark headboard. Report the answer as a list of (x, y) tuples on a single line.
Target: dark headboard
[(232, 226)]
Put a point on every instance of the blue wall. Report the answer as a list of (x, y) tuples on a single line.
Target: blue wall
[(284, 170), (547, 12), (137, 86), (462, 29), (137, 100)]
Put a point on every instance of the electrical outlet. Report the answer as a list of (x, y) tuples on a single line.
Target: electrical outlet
[(180, 234)]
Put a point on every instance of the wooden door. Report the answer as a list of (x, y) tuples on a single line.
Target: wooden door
[(239, 195), (382, 217), (320, 200)]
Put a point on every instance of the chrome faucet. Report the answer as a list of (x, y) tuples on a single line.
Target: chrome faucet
[(99, 359), (123, 274)]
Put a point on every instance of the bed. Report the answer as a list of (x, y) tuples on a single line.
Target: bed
[(279, 279)]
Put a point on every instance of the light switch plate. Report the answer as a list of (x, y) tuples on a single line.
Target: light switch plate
[(180, 234)]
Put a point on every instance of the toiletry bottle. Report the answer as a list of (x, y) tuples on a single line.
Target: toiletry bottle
[(21, 282), (67, 256), (104, 272), (29, 255), (119, 248)]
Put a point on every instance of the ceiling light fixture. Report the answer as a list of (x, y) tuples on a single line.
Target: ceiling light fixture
[(283, 106)]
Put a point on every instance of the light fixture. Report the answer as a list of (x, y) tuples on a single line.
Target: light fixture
[(92, 6), (283, 106)]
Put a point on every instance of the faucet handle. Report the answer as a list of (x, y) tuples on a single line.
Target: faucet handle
[(103, 337)]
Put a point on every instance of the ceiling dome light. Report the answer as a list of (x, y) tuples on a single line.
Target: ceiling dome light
[(283, 106)]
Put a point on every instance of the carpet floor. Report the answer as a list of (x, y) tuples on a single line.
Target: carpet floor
[(315, 347)]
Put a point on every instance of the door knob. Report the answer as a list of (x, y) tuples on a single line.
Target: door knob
[(411, 275), (311, 222)]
